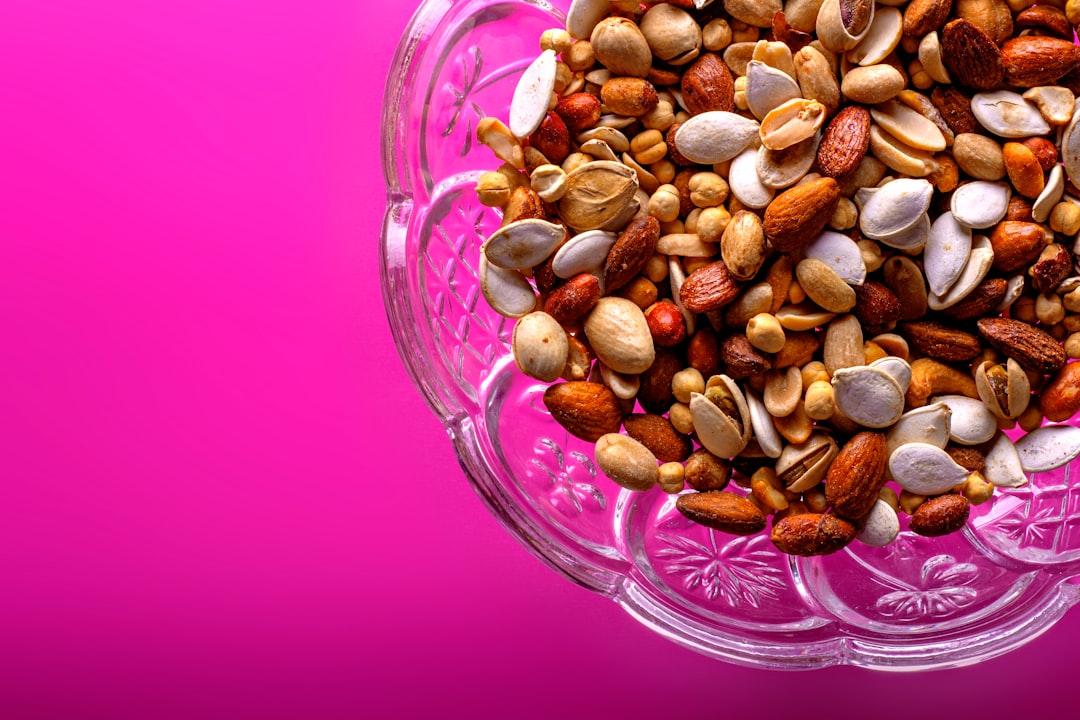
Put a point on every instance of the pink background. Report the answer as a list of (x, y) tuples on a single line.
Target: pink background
[(222, 496)]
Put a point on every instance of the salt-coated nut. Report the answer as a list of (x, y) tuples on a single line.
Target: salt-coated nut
[(540, 346), (548, 182), (627, 462), (765, 333), (619, 335)]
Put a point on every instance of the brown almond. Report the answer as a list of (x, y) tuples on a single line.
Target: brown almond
[(1016, 245), (704, 471), (708, 288), (1060, 398), (983, 299), (941, 342), (703, 352), (661, 75), (580, 111), (573, 299), (955, 108), (845, 141), (1033, 348), (925, 16), (631, 251), (1034, 60), (1045, 17), (1055, 263), (966, 456), (707, 85), (587, 410), (552, 138), (629, 96), (799, 214), (659, 435), (673, 152), (810, 534), (876, 307), (722, 510), (857, 475), (654, 392), (742, 359), (940, 515), (970, 56)]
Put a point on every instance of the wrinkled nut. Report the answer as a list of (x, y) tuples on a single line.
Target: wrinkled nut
[(722, 510)]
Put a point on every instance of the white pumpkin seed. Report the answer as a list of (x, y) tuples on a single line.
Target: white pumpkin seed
[(946, 253), (523, 244), (1070, 146), (1008, 114), (980, 204), (880, 526), (764, 431), (894, 207), (868, 396), (1048, 448), (979, 261), (1003, 466), (925, 469), (529, 105), (972, 422), (744, 181), (506, 291), (768, 88), (584, 15), (929, 424), (897, 368), (1050, 195), (585, 252), (911, 240), (840, 253), (715, 136)]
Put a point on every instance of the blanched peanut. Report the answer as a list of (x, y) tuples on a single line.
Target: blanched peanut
[(765, 333), (716, 35), (820, 401), (910, 502), (681, 418), (1049, 309), (648, 147), (686, 381), (708, 189), (664, 203), (671, 479), (814, 371)]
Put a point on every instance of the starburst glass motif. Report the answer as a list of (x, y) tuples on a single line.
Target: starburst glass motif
[(572, 475), (943, 589), (740, 572)]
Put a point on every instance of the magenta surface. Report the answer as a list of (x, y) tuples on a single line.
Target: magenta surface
[(223, 497)]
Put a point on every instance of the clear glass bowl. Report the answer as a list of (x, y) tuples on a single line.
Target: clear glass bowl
[(918, 603)]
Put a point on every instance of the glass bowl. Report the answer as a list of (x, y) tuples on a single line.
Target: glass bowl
[(918, 603)]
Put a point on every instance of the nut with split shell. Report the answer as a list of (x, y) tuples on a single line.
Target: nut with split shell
[(721, 417), (1004, 389), (803, 465)]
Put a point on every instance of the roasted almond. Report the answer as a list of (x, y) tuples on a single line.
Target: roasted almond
[(972, 58), (941, 342), (707, 85), (857, 475), (796, 216), (1033, 60), (984, 298), (925, 16), (703, 352), (633, 248), (1033, 348), (993, 17), (657, 433), (1045, 17), (742, 359), (940, 515), (708, 288), (955, 108), (654, 392), (722, 510), (812, 534), (574, 298), (586, 410), (876, 307), (845, 141)]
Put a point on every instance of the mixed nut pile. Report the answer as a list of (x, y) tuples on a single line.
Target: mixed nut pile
[(812, 247)]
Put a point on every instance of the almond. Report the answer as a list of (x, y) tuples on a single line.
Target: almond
[(1060, 398), (1016, 245), (941, 342), (703, 352), (708, 85), (657, 434), (1033, 348), (654, 392), (673, 152), (742, 359), (579, 111), (1045, 17), (967, 456), (1045, 151), (574, 298), (980, 301), (857, 475), (972, 58), (708, 288), (1033, 60), (1055, 263), (722, 510), (798, 215), (524, 205), (810, 534), (940, 515), (633, 248), (587, 410), (876, 307), (925, 16), (552, 138), (845, 141), (955, 108)]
